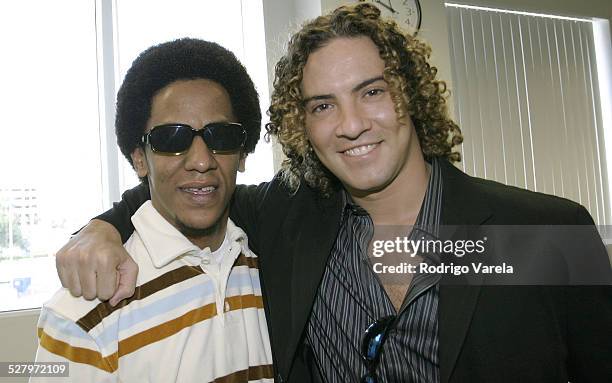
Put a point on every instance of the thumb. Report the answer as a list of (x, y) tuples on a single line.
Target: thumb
[(127, 273)]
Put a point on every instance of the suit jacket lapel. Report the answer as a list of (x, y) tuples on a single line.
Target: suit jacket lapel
[(461, 206), (313, 246)]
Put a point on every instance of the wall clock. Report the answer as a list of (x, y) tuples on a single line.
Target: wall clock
[(406, 13)]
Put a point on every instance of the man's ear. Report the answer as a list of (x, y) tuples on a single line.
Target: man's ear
[(242, 162), (140, 162)]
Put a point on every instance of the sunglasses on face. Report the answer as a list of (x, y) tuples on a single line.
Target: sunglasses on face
[(176, 139), (372, 342)]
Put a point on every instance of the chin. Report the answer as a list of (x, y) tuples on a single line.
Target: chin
[(202, 219), (197, 228), (201, 222), (366, 183)]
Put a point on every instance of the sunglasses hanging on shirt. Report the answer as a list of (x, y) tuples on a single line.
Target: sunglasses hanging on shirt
[(372, 343)]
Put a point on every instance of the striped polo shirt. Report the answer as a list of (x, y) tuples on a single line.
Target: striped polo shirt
[(196, 315)]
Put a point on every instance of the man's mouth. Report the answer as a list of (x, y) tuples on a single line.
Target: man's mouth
[(360, 150), (199, 190)]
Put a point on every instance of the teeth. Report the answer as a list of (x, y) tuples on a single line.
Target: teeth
[(204, 190), (360, 150)]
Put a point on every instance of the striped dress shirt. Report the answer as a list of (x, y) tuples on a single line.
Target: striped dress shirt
[(351, 297), (196, 316)]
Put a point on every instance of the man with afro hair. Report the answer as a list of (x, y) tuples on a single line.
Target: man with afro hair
[(187, 116)]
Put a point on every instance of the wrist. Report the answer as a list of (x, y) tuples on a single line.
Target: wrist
[(102, 228)]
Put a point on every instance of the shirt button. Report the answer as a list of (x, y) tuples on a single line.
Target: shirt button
[(205, 261)]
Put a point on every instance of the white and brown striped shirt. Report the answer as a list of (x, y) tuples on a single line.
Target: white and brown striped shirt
[(196, 316)]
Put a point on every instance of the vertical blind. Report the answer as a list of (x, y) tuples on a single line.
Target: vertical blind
[(526, 98)]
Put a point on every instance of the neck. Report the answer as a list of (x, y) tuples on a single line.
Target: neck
[(399, 203)]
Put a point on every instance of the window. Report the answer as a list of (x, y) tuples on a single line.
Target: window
[(62, 64), (527, 100), (50, 151)]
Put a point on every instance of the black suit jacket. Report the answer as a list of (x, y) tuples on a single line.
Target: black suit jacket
[(486, 334)]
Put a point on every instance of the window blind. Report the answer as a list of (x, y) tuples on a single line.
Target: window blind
[(526, 99)]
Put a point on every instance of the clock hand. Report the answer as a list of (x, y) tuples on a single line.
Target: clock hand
[(389, 7)]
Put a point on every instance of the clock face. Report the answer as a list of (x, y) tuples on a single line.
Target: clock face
[(407, 13)]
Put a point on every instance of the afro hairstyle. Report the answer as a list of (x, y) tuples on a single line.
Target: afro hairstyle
[(183, 59)]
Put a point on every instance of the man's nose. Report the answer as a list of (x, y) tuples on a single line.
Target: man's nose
[(199, 157), (352, 122)]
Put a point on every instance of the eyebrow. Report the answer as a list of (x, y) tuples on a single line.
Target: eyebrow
[(365, 83), (356, 88)]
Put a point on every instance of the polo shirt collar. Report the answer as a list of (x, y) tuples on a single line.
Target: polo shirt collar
[(164, 243)]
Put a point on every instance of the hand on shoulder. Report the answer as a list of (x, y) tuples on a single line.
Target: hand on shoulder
[(94, 263)]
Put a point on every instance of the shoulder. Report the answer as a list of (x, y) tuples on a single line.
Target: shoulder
[(264, 191), (275, 199), (514, 205), (60, 326), (504, 198), (64, 305)]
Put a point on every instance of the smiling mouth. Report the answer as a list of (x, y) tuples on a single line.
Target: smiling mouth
[(360, 150), (199, 191)]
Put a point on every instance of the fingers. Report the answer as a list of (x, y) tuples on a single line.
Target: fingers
[(68, 274), (108, 275), (106, 283), (128, 273), (87, 278), (87, 264), (97, 272)]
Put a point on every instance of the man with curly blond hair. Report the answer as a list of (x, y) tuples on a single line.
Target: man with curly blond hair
[(362, 120)]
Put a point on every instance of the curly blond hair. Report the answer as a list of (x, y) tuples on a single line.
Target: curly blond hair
[(412, 82)]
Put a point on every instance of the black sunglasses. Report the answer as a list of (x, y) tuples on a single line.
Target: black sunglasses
[(371, 346), (176, 139)]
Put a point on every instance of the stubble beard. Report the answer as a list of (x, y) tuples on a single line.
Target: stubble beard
[(196, 232)]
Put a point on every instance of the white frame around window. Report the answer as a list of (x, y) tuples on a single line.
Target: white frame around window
[(603, 53), (107, 69)]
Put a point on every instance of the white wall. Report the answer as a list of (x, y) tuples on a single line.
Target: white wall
[(281, 19)]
